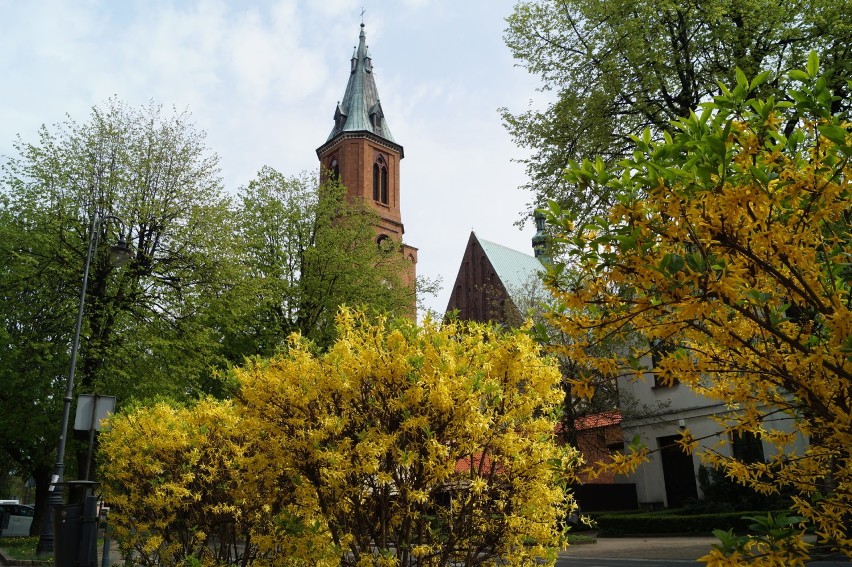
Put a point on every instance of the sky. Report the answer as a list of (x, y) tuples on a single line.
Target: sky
[(262, 79)]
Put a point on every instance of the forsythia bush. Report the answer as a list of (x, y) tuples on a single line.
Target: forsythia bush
[(401, 445), (729, 254), (172, 475), (413, 445)]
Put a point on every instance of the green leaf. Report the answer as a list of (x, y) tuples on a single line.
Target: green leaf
[(813, 64), (760, 79), (695, 261), (671, 263), (636, 443), (742, 80), (717, 144), (798, 75), (760, 175), (834, 133)]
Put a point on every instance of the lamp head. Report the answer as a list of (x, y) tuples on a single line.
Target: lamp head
[(120, 253)]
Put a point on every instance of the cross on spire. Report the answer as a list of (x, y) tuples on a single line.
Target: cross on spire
[(362, 15)]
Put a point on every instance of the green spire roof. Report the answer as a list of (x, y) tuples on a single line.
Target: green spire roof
[(361, 110)]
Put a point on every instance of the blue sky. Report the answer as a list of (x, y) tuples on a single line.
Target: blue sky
[(261, 78)]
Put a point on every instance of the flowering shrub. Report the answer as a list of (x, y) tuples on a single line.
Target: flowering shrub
[(727, 256), (171, 475), (429, 444), (400, 445)]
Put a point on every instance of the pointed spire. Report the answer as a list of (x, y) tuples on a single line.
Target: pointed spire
[(539, 240), (360, 109)]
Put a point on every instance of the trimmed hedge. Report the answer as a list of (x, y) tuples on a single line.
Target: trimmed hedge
[(614, 525)]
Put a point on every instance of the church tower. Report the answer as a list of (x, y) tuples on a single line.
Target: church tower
[(362, 153)]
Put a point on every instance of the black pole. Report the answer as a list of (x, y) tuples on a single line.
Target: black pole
[(121, 253), (54, 497)]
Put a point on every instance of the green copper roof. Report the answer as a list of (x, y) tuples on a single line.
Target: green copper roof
[(515, 269), (361, 110)]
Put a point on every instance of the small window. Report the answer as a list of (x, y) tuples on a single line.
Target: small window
[(659, 350), (384, 243), (747, 447), (334, 166)]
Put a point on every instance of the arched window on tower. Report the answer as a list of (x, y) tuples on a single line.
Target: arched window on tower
[(334, 167), (380, 180), (376, 176), (384, 243), (385, 185)]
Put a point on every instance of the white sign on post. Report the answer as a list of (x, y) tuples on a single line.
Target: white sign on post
[(91, 410)]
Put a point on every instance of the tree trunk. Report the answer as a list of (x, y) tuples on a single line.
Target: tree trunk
[(41, 475)]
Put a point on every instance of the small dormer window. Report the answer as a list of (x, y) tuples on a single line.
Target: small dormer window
[(339, 117), (376, 115)]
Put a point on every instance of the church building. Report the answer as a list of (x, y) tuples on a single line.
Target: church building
[(498, 284), (494, 283), (361, 152)]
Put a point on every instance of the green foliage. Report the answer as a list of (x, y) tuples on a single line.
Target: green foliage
[(143, 329), (723, 494), (620, 67), (770, 536), (671, 523), (306, 250), (149, 168)]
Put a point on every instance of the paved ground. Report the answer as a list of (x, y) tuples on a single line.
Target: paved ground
[(663, 549), (628, 552), (684, 548)]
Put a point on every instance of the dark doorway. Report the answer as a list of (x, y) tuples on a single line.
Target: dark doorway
[(678, 472)]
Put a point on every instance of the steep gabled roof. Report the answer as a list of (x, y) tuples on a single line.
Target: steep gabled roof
[(360, 110), (494, 283), (515, 269)]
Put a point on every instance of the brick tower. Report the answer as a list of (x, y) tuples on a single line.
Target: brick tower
[(362, 153)]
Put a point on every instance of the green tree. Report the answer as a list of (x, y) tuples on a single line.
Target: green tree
[(306, 250), (618, 66), (143, 332), (34, 331), (729, 244)]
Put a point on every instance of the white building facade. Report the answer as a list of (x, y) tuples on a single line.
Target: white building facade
[(670, 477)]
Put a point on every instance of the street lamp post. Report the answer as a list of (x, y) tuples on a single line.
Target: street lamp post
[(119, 255)]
